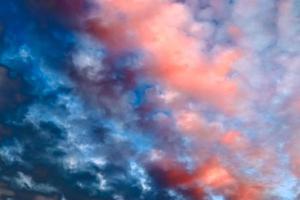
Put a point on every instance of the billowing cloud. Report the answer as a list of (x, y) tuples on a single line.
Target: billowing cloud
[(149, 99)]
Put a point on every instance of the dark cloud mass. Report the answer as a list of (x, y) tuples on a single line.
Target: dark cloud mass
[(53, 145)]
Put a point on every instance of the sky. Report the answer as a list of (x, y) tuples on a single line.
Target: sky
[(150, 100)]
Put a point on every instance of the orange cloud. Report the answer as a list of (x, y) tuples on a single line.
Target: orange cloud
[(248, 191), (174, 56), (214, 175), (234, 140), (190, 122)]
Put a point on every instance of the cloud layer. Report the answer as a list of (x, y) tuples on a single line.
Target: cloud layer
[(152, 99)]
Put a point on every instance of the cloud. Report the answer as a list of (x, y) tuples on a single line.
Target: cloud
[(153, 99), (210, 84)]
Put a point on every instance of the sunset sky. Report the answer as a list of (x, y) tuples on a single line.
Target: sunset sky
[(150, 99)]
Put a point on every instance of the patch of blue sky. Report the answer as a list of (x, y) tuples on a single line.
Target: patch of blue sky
[(132, 60), (24, 51), (140, 93), (296, 8), (141, 141), (287, 188), (217, 197)]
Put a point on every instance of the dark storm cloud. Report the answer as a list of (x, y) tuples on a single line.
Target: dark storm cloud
[(54, 145)]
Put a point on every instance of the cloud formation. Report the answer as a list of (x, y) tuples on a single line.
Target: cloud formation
[(152, 99)]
